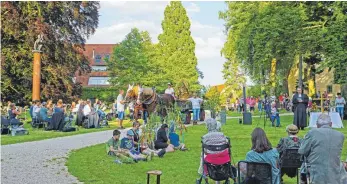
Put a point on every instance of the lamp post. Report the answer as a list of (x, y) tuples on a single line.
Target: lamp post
[(37, 68)]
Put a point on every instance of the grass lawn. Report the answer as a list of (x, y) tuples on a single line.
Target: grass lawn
[(178, 167), (40, 134), (255, 113)]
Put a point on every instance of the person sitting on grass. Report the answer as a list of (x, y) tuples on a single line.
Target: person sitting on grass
[(275, 115), (175, 139), (290, 142), (44, 113), (36, 109), (162, 139), (127, 143), (135, 130), (113, 149), (12, 114)]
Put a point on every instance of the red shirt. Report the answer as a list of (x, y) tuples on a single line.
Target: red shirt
[(280, 98)]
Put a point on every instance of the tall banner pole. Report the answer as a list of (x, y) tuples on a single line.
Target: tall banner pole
[(37, 69)]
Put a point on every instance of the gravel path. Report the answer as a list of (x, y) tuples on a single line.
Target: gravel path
[(44, 161)]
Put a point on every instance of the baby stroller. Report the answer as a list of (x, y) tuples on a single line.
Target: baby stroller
[(221, 172), (102, 118)]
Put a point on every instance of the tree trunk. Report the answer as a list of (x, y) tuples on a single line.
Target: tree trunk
[(273, 76)]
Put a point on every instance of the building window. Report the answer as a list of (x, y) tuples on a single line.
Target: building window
[(106, 57), (330, 89), (99, 68), (98, 81), (98, 58)]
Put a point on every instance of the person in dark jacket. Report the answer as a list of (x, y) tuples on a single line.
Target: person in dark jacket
[(162, 139)]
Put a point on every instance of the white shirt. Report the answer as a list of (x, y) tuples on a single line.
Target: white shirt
[(86, 110), (76, 108), (170, 91), (120, 107), (195, 102)]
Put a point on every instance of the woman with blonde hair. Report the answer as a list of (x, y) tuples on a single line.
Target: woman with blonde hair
[(59, 107)]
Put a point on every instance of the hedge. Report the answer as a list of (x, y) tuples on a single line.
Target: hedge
[(108, 94)]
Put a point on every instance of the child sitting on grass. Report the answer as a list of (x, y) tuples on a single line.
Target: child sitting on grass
[(112, 148), (175, 139), (127, 144)]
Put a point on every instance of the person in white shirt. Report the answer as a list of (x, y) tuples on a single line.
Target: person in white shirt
[(87, 109), (196, 103), (170, 90), (120, 108), (340, 103)]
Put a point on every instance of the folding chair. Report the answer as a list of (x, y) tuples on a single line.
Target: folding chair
[(218, 173), (254, 173), (291, 159)]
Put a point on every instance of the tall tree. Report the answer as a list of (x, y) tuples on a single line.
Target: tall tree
[(262, 36), (130, 60), (65, 27), (176, 49)]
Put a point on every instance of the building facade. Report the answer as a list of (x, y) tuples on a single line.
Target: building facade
[(97, 54)]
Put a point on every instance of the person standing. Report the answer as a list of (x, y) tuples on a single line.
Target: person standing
[(340, 103), (300, 102), (280, 99), (120, 108), (196, 103), (252, 103), (260, 101)]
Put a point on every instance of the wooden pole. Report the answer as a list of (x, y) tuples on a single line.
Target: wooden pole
[(36, 76), (300, 73), (321, 102)]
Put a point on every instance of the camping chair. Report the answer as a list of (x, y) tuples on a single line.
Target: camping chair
[(306, 171), (290, 158), (216, 172), (254, 173), (5, 125)]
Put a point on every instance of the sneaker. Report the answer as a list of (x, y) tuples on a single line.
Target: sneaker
[(161, 153), (184, 149)]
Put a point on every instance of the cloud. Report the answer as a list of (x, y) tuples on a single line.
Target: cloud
[(116, 33), (121, 16), (208, 39), (135, 7), (193, 8)]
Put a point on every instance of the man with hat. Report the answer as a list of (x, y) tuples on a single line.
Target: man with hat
[(290, 142), (170, 90)]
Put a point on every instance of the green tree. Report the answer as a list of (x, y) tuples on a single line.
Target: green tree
[(65, 27), (176, 50), (130, 63)]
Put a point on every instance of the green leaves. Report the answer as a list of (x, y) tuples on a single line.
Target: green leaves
[(130, 61), (64, 37), (176, 50), (260, 31)]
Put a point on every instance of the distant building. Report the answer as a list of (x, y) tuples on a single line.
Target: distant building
[(97, 54)]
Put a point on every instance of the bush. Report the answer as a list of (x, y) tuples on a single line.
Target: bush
[(108, 94)]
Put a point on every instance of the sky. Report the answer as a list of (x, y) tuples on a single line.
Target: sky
[(118, 17)]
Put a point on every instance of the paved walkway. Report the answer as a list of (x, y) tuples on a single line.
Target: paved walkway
[(43, 162)]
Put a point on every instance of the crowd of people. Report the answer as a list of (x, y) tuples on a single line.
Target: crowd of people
[(320, 147), (44, 112), (135, 147)]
